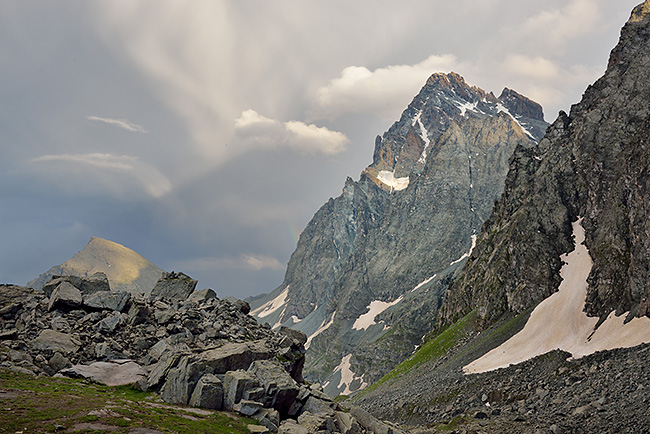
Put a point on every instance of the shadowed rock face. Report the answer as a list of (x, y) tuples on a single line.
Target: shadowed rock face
[(592, 163), (411, 216)]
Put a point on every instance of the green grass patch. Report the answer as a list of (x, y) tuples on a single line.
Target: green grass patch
[(431, 350), (45, 404)]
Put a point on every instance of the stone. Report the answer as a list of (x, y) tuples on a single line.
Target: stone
[(173, 286), (115, 373), (138, 313), (98, 282), (65, 296), (110, 323), (208, 393), (277, 383), (268, 417), (290, 426), (316, 405), (235, 384), (50, 340), (316, 422), (107, 300), (58, 361), (181, 380), (234, 356), (298, 337), (370, 423), (346, 424), (247, 408), (202, 295), (257, 429)]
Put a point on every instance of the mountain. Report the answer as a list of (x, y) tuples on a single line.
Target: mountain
[(549, 317), (126, 270), (369, 271)]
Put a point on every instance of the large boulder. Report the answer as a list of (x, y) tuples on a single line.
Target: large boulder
[(278, 385), (208, 393), (107, 300), (50, 340), (174, 286), (234, 356), (236, 384), (65, 296)]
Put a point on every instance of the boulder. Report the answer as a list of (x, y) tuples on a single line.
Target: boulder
[(202, 295), (235, 384), (208, 393), (233, 356), (319, 406), (317, 422), (110, 323), (50, 340), (290, 426), (65, 296), (181, 380), (107, 300), (278, 384), (58, 362), (247, 408), (173, 286), (115, 373), (98, 282)]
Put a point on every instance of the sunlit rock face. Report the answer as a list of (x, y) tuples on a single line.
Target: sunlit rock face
[(592, 163), (126, 270), (369, 271)]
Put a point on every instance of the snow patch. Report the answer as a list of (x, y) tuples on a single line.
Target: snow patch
[(501, 108), (466, 255), (271, 306), (324, 326), (424, 134), (347, 376), (465, 106), (374, 308), (559, 322), (388, 178), (424, 282)]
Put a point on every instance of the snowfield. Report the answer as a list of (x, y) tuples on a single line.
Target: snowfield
[(560, 323)]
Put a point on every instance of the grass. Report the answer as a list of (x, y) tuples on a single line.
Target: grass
[(431, 350), (45, 404)]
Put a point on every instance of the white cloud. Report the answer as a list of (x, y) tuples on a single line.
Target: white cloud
[(383, 91), (243, 262), (121, 123), (536, 67), (122, 176), (103, 161), (256, 130)]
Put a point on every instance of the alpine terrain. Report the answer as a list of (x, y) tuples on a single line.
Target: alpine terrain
[(547, 327), (369, 272)]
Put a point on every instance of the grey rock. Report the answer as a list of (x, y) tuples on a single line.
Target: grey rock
[(235, 384), (50, 340), (372, 424), (208, 393), (202, 295), (173, 286), (107, 300), (58, 362), (247, 408), (115, 373), (65, 296), (110, 323), (290, 426), (277, 383), (317, 422), (319, 406), (235, 356)]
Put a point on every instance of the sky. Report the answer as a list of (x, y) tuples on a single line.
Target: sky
[(205, 134)]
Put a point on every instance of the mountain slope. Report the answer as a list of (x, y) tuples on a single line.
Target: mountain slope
[(126, 270), (593, 164), (568, 239), (370, 268)]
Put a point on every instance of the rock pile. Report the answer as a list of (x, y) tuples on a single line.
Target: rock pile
[(189, 346)]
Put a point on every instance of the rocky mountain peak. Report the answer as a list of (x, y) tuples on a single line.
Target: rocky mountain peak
[(126, 269), (517, 103)]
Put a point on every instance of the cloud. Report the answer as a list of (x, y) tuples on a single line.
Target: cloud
[(121, 123), (256, 130), (383, 91), (244, 262), (537, 67), (103, 161), (122, 176)]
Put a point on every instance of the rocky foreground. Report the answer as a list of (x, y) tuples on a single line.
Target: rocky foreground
[(189, 346)]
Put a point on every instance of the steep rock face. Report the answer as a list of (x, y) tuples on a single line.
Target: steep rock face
[(592, 163), (369, 270), (126, 270)]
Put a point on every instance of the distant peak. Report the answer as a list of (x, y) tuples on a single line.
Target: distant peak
[(517, 103)]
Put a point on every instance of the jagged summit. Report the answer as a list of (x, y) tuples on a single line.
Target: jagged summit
[(371, 266), (445, 102), (126, 269)]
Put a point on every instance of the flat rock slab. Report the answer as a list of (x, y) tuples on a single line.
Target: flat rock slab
[(116, 373)]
